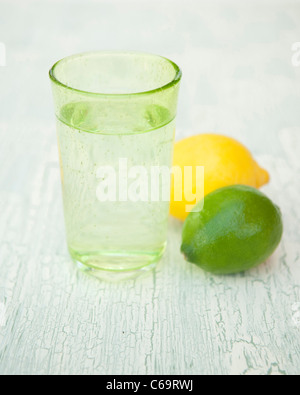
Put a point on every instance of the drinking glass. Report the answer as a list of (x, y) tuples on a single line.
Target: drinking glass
[(115, 116)]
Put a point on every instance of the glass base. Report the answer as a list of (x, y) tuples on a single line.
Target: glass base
[(116, 266)]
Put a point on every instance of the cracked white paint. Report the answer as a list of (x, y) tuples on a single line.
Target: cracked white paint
[(238, 80)]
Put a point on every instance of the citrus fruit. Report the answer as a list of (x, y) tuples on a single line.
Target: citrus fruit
[(238, 228), (225, 161)]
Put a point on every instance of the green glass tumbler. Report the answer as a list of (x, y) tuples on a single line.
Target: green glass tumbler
[(115, 116)]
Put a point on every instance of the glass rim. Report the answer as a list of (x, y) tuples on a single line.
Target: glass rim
[(173, 82)]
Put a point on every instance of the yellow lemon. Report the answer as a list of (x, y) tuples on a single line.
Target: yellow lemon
[(226, 162)]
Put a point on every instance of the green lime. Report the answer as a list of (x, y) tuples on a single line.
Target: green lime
[(238, 228)]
